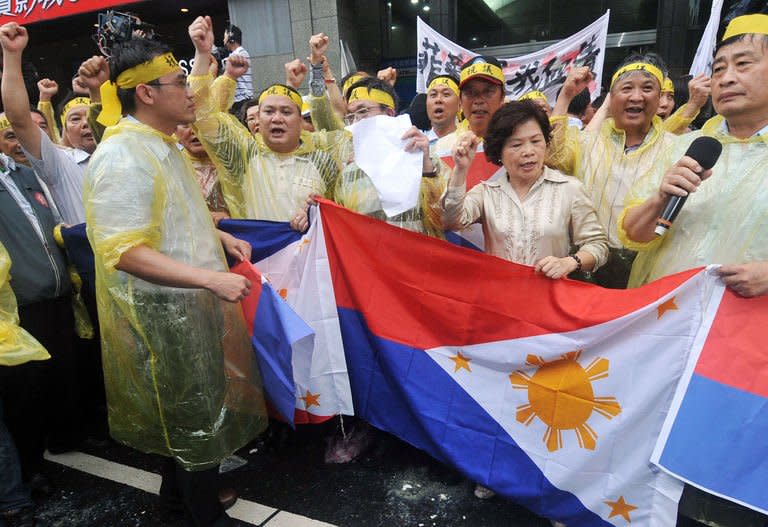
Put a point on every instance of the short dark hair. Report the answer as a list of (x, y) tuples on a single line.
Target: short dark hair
[(650, 58), (372, 83), (243, 113), (579, 103), (598, 102), (346, 77), (127, 55), (235, 34), (38, 112), (739, 38), (509, 118)]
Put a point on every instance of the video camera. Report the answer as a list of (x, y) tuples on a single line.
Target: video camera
[(115, 27)]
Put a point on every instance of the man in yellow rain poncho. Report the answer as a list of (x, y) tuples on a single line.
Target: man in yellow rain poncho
[(268, 176), (180, 373), (611, 159), (724, 218)]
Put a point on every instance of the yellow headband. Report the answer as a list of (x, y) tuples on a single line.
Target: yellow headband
[(362, 93), (639, 66), (667, 86), (77, 101), (357, 77), (111, 109), (444, 81), (533, 95), (482, 69), (285, 91), (4, 122), (747, 24)]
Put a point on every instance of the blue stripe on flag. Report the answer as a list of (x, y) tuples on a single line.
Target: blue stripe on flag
[(402, 390), (276, 329), (457, 239), (266, 237), (718, 441)]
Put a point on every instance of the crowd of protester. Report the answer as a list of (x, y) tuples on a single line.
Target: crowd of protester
[(151, 160)]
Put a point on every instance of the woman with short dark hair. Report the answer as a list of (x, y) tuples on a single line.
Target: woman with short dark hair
[(530, 214)]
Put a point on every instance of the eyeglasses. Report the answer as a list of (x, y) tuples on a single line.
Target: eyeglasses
[(179, 83), (362, 113)]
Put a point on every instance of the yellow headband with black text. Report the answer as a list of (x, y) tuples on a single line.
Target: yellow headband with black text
[(639, 66), (4, 122), (111, 109), (482, 69), (667, 86), (285, 91), (357, 77), (533, 95), (444, 80), (362, 93), (756, 24), (77, 101)]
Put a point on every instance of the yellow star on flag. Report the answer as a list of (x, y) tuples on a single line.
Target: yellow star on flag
[(669, 305), (461, 362), (311, 399), (620, 508)]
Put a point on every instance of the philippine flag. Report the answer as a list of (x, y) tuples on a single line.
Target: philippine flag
[(296, 267), (715, 436), (552, 393)]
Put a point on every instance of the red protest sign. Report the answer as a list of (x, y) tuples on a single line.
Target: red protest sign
[(29, 11)]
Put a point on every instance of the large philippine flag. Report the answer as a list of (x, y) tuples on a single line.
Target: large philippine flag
[(552, 393), (716, 436)]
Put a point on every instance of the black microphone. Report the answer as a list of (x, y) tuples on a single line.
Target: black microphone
[(705, 151)]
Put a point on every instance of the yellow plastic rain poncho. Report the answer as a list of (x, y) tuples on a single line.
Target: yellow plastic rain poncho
[(46, 108), (16, 345), (722, 222), (258, 183), (677, 123), (598, 159), (357, 192), (179, 370)]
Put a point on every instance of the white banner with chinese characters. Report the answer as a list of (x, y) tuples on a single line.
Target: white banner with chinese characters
[(544, 70)]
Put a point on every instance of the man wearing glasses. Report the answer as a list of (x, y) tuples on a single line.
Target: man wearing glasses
[(180, 375)]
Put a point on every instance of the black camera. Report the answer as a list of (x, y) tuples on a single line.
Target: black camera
[(115, 27)]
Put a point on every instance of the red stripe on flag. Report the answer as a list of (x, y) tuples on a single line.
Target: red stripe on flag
[(480, 170), (425, 292), (251, 302), (734, 353)]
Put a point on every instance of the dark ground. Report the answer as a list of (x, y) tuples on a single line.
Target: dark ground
[(392, 484)]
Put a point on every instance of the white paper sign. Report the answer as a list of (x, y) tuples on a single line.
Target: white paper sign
[(702, 62), (379, 152), (544, 70)]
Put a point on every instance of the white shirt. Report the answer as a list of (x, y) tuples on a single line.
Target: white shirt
[(62, 169), (244, 89)]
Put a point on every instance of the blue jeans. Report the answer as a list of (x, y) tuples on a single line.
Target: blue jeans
[(13, 493)]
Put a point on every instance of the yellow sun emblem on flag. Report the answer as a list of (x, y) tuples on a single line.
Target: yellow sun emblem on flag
[(560, 394)]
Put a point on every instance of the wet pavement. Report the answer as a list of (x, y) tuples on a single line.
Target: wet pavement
[(290, 485)]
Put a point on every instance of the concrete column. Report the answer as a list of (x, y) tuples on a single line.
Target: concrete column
[(299, 19)]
